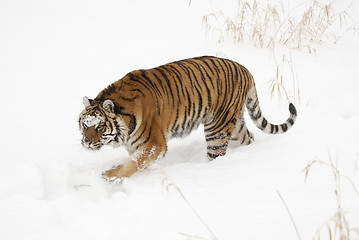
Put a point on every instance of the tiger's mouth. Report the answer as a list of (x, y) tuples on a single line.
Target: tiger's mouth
[(92, 146)]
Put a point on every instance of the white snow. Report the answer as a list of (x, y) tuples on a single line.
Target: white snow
[(55, 52), (90, 120)]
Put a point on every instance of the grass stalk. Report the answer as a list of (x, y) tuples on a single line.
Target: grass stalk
[(171, 183), (290, 215), (338, 226)]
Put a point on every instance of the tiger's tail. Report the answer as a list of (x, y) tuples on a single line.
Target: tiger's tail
[(256, 115)]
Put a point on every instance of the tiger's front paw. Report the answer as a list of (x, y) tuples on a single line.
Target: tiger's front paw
[(113, 175), (120, 173)]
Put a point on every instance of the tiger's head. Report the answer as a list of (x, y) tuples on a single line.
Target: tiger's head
[(98, 124)]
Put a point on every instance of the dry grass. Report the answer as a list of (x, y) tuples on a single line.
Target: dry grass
[(278, 87), (303, 27), (168, 183), (337, 227), (290, 215)]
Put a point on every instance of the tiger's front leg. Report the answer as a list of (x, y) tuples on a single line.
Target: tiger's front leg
[(140, 159)]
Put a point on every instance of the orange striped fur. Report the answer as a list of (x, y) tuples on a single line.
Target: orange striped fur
[(146, 108)]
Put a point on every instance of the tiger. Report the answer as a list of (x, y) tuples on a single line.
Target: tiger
[(146, 108)]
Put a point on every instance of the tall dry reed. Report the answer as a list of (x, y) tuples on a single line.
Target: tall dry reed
[(337, 227)]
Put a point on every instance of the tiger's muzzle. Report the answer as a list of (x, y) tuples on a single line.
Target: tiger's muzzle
[(90, 144)]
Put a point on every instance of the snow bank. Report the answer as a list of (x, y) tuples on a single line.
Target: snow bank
[(53, 54)]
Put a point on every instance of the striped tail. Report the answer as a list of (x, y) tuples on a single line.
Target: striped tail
[(256, 115)]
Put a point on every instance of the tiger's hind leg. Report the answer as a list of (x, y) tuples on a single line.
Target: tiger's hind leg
[(217, 138), (241, 134)]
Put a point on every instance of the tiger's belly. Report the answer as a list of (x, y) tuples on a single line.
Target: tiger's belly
[(179, 131), (187, 118)]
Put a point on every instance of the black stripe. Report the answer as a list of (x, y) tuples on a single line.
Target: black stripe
[(203, 78), (179, 76), (150, 83), (200, 105), (210, 69), (138, 138), (154, 88), (132, 123), (221, 136), (107, 91), (223, 115), (256, 116), (230, 73), (137, 79), (176, 120), (236, 72), (290, 121), (159, 82), (179, 81), (189, 101), (185, 118), (254, 106), (222, 82), (146, 140), (129, 99), (214, 65), (216, 69), (264, 123), (218, 130), (243, 139), (246, 80), (224, 118), (224, 146), (284, 127), (175, 82), (119, 134), (241, 127), (186, 70), (163, 73), (137, 90), (212, 155), (292, 109)]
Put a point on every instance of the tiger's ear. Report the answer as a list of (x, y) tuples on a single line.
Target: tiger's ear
[(86, 101), (109, 105)]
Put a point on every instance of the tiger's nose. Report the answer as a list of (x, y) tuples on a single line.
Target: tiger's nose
[(87, 141)]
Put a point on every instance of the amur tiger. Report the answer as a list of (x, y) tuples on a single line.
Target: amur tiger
[(146, 108)]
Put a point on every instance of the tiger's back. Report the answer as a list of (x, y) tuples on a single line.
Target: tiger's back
[(184, 93), (150, 106)]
